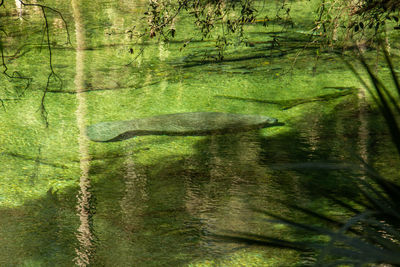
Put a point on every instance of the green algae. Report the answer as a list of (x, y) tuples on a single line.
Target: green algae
[(159, 199)]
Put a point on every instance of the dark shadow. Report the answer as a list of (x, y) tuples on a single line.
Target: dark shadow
[(290, 103)]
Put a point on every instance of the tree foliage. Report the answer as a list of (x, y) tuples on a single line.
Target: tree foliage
[(206, 13), (356, 20), (337, 22), (224, 19)]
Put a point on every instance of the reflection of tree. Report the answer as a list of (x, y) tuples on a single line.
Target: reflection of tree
[(363, 132), (231, 167), (84, 233), (134, 202)]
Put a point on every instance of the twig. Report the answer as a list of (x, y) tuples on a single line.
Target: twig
[(140, 52)]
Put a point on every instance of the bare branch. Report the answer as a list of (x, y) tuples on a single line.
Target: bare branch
[(43, 7)]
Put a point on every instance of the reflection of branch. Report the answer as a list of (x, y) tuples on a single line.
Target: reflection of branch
[(52, 73), (37, 160), (133, 87), (43, 108), (15, 75), (43, 7)]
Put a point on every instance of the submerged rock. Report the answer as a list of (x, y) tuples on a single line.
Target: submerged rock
[(183, 124)]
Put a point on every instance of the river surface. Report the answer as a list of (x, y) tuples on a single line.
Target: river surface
[(159, 200)]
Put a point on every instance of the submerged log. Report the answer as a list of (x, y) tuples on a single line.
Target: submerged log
[(180, 124)]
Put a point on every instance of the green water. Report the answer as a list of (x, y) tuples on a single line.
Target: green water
[(158, 200)]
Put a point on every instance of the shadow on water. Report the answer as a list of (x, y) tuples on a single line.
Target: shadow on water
[(165, 214), (46, 232), (290, 103)]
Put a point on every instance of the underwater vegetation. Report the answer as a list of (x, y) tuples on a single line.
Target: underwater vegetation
[(370, 234)]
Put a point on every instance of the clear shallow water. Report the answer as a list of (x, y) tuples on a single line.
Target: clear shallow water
[(157, 200)]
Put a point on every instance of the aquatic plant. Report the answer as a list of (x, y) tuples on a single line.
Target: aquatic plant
[(371, 233)]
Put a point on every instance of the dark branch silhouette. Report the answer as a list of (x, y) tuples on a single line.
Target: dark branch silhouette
[(52, 75)]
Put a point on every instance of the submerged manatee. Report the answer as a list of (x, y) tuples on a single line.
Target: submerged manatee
[(184, 124)]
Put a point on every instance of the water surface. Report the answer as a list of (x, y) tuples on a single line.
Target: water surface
[(158, 200)]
